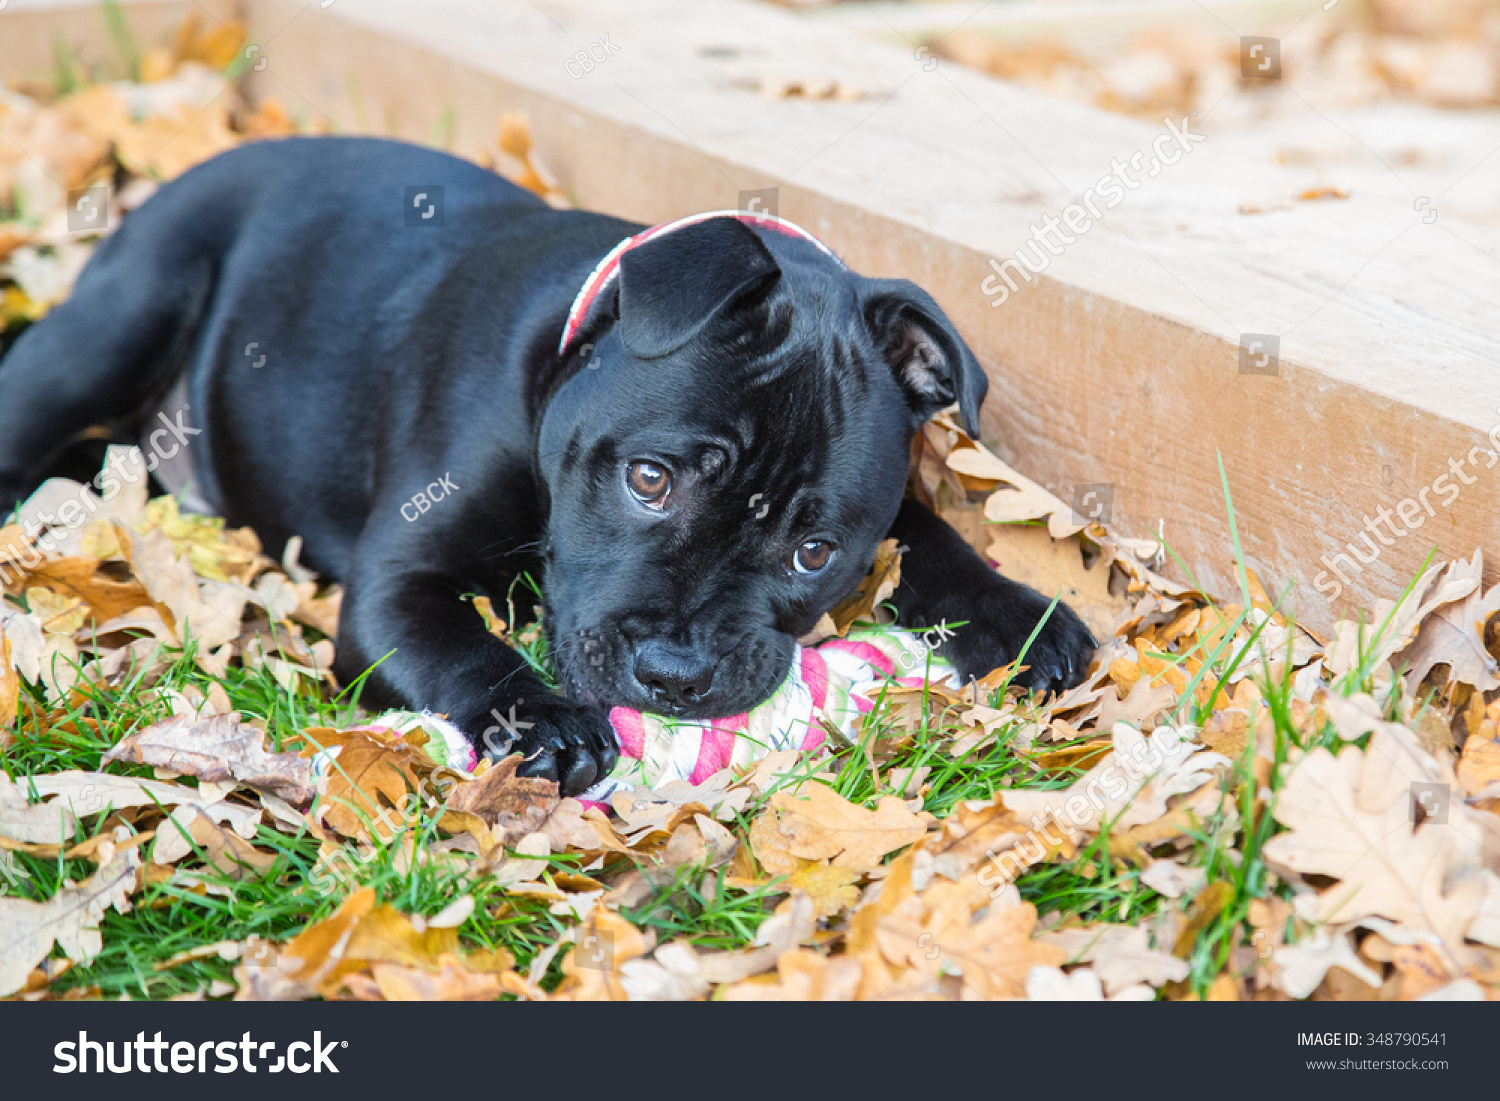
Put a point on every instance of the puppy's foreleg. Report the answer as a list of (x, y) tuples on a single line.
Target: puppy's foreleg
[(99, 357), (430, 650), (944, 581)]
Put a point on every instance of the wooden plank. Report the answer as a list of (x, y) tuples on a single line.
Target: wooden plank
[(29, 29), (1119, 364)]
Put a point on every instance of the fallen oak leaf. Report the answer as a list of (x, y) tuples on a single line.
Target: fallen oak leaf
[(452, 982), (820, 824), (512, 805), (1301, 968), (1050, 984), (802, 976), (678, 972), (77, 578), (1030, 554), (10, 693), (1020, 499), (359, 936), (368, 776), (602, 943), (1128, 787), (1394, 625), (192, 828), (831, 890), (876, 588), (73, 795), (296, 969), (208, 611), (647, 822), (1479, 765), (1386, 867), (218, 749), (1121, 955), (70, 919), (937, 932)]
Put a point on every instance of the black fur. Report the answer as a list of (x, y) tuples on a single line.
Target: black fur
[(779, 390)]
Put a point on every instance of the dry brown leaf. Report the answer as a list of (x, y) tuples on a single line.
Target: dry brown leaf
[(1022, 499), (830, 890), (224, 850), (208, 611), (957, 928), (1479, 767), (1129, 787), (160, 144), (1453, 634), (513, 805), (77, 577), (876, 588), (10, 692), (802, 976), (452, 982), (219, 749), (603, 943), (298, 968), (371, 777), (1404, 618), (1028, 554), (973, 833), (322, 612), (820, 824), (1385, 867), (357, 938), (69, 796), (1121, 955), (70, 919), (1301, 968)]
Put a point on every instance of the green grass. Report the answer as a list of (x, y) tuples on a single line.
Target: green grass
[(697, 904)]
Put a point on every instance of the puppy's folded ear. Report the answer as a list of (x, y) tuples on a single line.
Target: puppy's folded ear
[(672, 286), (930, 360)]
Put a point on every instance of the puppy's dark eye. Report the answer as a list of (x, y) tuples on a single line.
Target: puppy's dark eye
[(812, 556), (649, 481)]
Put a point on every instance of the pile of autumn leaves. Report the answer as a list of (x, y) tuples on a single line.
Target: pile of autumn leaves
[(876, 901), (122, 137)]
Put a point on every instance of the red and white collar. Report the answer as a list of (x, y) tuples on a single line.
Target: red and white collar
[(603, 275)]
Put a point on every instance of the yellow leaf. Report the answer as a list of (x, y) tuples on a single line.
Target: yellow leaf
[(368, 780), (820, 824), (878, 586)]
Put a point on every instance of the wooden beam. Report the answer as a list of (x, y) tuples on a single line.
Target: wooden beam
[(31, 29)]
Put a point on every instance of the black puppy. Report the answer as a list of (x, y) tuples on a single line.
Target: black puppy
[(367, 336)]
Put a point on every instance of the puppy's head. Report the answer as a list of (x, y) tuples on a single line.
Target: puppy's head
[(722, 470)]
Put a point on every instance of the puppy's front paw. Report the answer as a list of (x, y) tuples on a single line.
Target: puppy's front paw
[(568, 742), (1059, 656), (998, 626)]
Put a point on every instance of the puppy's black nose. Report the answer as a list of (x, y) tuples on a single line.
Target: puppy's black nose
[(673, 674)]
